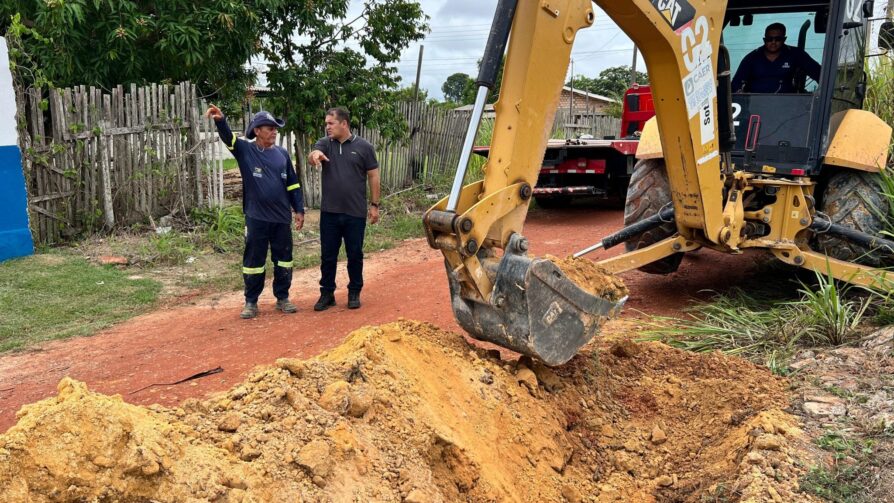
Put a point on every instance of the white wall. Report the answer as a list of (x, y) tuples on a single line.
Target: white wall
[(7, 99), (883, 9)]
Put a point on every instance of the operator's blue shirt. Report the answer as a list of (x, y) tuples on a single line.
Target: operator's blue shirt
[(270, 186), (757, 74)]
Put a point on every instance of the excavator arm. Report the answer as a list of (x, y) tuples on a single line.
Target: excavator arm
[(501, 295)]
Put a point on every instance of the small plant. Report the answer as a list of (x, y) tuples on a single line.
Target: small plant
[(172, 248), (834, 318), (222, 227)]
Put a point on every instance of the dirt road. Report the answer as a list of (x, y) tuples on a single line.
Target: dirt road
[(409, 281)]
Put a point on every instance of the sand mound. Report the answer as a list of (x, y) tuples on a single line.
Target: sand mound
[(407, 412)]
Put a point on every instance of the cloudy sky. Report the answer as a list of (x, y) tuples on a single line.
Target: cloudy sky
[(459, 30)]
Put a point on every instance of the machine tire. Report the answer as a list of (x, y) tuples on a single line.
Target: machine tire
[(648, 192), (853, 199)]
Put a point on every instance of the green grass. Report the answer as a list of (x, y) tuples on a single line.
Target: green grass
[(880, 101), (224, 227), (230, 164), (737, 323), (842, 481), (767, 330), (55, 296), (58, 294), (477, 162)]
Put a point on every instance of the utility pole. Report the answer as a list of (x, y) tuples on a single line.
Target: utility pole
[(633, 67), (418, 73), (571, 97)]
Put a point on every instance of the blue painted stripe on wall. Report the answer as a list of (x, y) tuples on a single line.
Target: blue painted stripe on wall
[(15, 233)]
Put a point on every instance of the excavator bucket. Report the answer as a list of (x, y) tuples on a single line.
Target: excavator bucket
[(535, 310)]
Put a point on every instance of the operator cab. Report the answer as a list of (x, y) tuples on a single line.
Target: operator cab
[(785, 133)]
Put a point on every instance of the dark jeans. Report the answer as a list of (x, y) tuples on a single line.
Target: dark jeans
[(335, 228), (259, 235)]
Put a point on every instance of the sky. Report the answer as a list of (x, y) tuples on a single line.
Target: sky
[(458, 34), (459, 30)]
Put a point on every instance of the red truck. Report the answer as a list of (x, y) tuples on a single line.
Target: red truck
[(589, 167)]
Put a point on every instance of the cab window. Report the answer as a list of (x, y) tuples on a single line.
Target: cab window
[(745, 33)]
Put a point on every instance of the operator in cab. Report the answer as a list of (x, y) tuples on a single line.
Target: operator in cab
[(772, 68)]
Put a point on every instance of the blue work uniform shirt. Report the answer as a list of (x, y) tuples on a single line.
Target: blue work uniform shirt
[(757, 74), (270, 186), (345, 174)]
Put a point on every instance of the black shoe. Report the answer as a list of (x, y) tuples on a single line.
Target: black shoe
[(327, 300), (353, 300)]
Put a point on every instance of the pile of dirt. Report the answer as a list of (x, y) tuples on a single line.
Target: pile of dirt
[(591, 277), (407, 412)]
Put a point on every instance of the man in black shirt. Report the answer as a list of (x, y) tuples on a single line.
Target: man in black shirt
[(270, 193), (772, 68), (349, 163)]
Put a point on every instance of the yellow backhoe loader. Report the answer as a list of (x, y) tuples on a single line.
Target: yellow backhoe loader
[(786, 172)]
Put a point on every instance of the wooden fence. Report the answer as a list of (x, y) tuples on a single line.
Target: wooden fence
[(430, 149), (577, 123), (95, 160)]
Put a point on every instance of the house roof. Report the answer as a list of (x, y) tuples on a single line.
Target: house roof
[(467, 108), (592, 96), (577, 93)]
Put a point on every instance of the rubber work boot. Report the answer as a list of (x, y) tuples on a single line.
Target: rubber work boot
[(327, 300), (249, 311), (353, 300), (285, 306)]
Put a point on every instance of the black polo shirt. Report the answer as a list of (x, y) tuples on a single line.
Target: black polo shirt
[(345, 174), (757, 74)]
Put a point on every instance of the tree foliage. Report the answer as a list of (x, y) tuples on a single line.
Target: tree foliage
[(454, 87), (409, 94), (316, 57), (349, 63), (110, 42), (461, 89), (611, 82)]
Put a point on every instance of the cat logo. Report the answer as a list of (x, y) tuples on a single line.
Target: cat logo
[(677, 13)]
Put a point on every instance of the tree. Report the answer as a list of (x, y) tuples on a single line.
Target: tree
[(334, 62), (454, 87), (308, 77), (611, 82), (110, 42), (494, 95), (409, 94)]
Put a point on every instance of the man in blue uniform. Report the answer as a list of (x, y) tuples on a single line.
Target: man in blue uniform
[(349, 163), (270, 193), (772, 68)]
